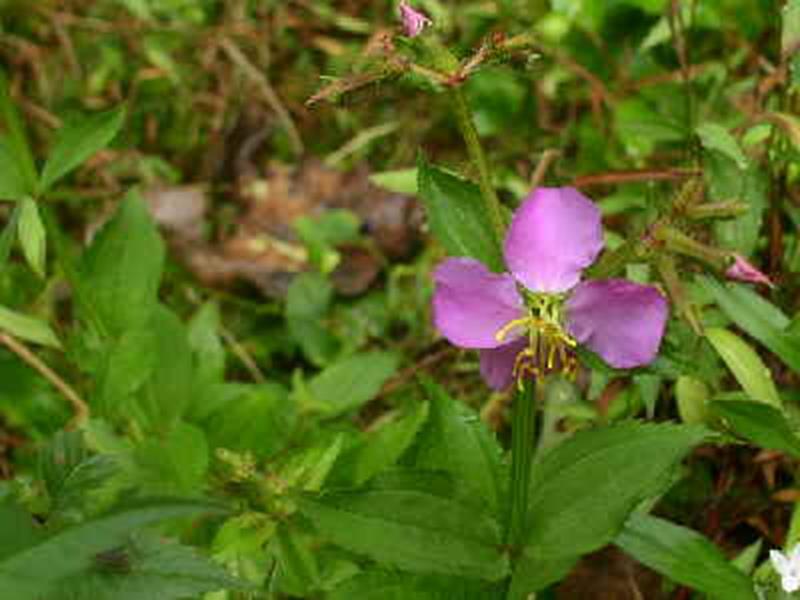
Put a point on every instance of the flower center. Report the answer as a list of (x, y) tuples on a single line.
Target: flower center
[(550, 348)]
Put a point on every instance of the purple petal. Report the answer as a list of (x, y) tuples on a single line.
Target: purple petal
[(554, 235), (620, 320), (471, 304), (497, 364), (413, 20), (742, 270)]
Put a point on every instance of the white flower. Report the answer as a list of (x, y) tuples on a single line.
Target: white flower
[(788, 567)]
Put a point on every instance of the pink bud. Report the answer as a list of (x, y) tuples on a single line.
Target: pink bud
[(742, 270), (413, 20)]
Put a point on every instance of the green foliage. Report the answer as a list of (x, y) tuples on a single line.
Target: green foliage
[(685, 557), (119, 275), (413, 528), (759, 423), (456, 216), (351, 382), (32, 235), (583, 490), (27, 328), (69, 554), (77, 141)]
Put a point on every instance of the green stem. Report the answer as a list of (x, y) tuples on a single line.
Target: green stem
[(491, 202), (523, 432)]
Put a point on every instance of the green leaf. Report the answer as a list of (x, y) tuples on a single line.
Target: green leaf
[(175, 462), (12, 177), (18, 530), (456, 216), (307, 301), (715, 137), (401, 181), (77, 141), (413, 530), (27, 328), (259, 419), (119, 275), (583, 490), (350, 383), (206, 346), (455, 440), (69, 471), (757, 317), (385, 585), (692, 396), (297, 564), (148, 567), (684, 556), (790, 31), (16, 147), (748, 368), (32, 236), (127, 364), (386, 445), (42, 568), (759, 423), (8, 236)]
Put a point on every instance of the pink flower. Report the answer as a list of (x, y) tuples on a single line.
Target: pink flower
[(742, 270), (413, 20), (541, 309)]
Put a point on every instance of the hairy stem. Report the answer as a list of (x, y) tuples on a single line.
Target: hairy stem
[(491, 202)]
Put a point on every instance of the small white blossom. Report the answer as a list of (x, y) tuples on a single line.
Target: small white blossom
[(788, 567)]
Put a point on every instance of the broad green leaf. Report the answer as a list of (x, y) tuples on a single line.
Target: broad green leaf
[(309, 468), (387, 444), (156, 568), (693, 397), (19, 532), (401, 181), (77, 141), (15, 142), (307, 301), (206, 345), (684, 556), (748, 368), (352, 382), (42, 568), (726, 182), (298, 571), (456, 441), (27, 328), (759, 423), (70, 472), (715, 137), (259, 419), (411, 529), (175, 462), (32, 236), (119, 275), (456, 216), (583, 490), (757, 317), (128, 363), (385, 585)]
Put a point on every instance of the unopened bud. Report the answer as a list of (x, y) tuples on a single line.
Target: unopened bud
[(741, 270), (413, 20)]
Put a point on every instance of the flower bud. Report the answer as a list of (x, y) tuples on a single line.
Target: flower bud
[(413, 20)]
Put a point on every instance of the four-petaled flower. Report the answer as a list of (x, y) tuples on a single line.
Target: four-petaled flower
[(788, 567), (532, 317), (413, 20)]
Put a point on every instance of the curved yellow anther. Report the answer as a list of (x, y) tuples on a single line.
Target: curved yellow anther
[(506, 329)]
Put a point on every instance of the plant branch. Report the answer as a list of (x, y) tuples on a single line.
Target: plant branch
[(491, 202)]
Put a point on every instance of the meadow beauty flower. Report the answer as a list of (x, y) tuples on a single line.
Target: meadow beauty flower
[(788, 567), (527, 322), (413, 20)]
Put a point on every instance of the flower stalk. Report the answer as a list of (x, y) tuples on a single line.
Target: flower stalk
[(466, 125), (523, 433)]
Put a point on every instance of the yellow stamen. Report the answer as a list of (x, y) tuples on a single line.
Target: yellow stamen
[(506, 329)]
